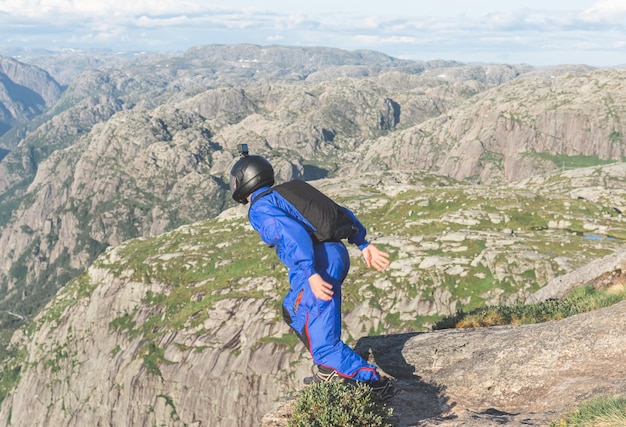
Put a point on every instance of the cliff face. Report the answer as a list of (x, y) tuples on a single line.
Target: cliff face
[(91, 360), (25, 92), (129, 177)]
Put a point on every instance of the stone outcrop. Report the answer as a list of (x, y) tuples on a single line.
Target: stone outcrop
[(512, 375), (530, 373)]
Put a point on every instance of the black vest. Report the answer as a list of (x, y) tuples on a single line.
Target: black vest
[(330, 221)]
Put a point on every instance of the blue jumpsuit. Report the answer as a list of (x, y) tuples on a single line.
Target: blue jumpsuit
[(315, 321)]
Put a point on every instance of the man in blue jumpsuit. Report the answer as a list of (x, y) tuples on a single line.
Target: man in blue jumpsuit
[(312, 308)]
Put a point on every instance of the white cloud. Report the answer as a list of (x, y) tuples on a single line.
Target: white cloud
[(380, 40), (275, 38), (91, 8), (149, 22), (606, 12), (481, 30)]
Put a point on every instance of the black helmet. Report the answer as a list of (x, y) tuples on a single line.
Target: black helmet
[(249, 174)]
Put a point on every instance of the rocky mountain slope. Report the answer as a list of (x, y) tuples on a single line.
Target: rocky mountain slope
[(185, 329), (85, 198), (535, 124), (307, 109)]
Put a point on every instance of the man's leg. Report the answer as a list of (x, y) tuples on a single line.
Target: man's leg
[(322, 326)]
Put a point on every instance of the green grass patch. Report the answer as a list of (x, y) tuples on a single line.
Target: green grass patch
[(571, 162), (496, 159), (580, 300), (71, 294), (602, 411), (289, 340), (124, 323), (153, 356)]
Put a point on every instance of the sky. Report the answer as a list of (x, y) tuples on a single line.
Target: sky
[(534, 32)]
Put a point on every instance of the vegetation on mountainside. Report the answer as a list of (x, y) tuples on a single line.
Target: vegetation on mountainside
[(564, 161), (10, 369)]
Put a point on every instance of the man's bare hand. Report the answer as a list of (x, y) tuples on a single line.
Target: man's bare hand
[(376, 258), (321, 289)]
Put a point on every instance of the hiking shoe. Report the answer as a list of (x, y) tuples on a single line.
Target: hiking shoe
[(384, 388), (322, 375)]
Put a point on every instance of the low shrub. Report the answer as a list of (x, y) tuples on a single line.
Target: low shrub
[(336, 404)]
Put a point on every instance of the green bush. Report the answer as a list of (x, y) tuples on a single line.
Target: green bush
[(335, 404)]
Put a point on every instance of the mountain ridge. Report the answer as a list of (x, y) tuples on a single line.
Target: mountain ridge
[(304, 126)]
